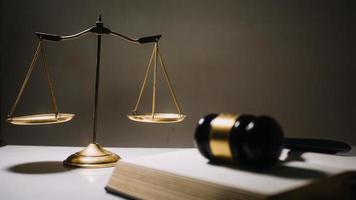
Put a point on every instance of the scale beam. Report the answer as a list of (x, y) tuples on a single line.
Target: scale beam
[(99, 29)]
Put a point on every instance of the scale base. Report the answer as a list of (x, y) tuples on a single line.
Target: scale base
[(93, 156)]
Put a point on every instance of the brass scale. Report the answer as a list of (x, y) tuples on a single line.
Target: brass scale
[(94, 155)]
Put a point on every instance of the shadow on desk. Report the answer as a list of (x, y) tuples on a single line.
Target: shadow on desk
[(43, 167)]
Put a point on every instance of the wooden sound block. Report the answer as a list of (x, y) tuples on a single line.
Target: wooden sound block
[(185, 174)]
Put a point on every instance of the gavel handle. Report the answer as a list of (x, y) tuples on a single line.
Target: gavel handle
[(316, 145)]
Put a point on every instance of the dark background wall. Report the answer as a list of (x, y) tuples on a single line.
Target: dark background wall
[(294, 60)]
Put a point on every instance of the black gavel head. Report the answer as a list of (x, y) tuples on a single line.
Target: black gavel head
[(246, 139)]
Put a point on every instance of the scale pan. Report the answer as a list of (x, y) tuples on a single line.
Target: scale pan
[(41, 119), (157, 117)]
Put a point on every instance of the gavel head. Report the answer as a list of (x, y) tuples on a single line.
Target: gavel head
[(245, 139)]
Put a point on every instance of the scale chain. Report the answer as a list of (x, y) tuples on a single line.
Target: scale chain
[(154, 81), (39, 50), (27, 77), (156, 54), (144, 82), (169, 83), (50, 85)]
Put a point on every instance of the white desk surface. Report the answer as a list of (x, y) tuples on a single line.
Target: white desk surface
[(36, 172)]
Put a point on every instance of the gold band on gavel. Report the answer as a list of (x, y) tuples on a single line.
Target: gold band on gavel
[(219, 135)]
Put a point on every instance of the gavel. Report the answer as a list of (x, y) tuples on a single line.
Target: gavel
[(252, 140)]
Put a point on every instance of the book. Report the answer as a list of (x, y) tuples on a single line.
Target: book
[(185, 174)]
